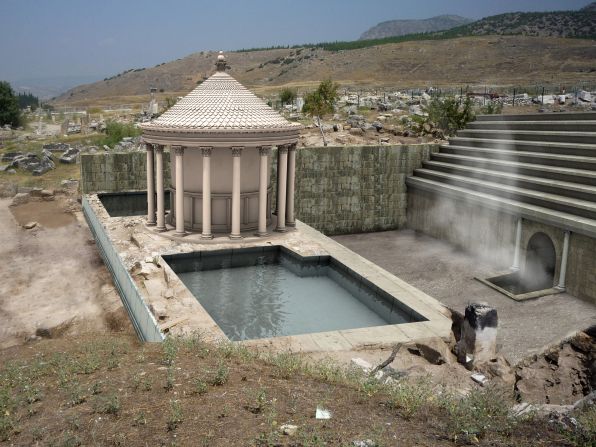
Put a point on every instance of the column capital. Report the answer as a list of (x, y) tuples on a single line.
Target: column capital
[(158, 148), (292, 147), (282, 149), (237, 151), (265, 151), (206, 151), (179, 150), (148, 146)]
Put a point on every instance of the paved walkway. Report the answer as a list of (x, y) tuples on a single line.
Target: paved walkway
[(447, 274)]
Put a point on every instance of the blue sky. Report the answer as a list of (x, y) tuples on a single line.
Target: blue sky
[(81, 38)]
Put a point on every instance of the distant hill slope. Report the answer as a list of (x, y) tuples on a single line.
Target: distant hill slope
[(580, 23), (403, 27), (496, 60)]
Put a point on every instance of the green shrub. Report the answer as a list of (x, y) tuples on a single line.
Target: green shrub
[(116, 131), (448, 114)]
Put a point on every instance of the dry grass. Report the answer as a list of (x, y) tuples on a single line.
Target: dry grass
[(113, 391), (486, 60)]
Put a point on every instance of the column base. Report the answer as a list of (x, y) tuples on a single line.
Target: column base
[(151, 224), (560, 288), (235, 237), (514, 268), (206, 236), (161, 229), (262, 234), (281, 229), (180, 234), (290, 224)]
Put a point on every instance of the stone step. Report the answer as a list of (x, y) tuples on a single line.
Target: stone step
[(569, 189), (566, 161), (588, 150), (531, 135), (537, 213), (582, 176), (548, 116), (539, 126), (556, 202)]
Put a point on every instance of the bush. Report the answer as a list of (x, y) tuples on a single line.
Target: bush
[(492, 108), (116, 131), (448, 114)]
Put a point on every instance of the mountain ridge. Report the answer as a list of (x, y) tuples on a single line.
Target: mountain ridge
[(402, 27)]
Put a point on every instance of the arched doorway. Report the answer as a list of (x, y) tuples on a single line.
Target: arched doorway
[(541, 258)]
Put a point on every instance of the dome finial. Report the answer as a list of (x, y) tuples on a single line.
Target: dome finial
[(221, 63)]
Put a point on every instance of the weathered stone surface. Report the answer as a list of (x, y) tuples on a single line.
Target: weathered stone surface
[(478, 340), (30, 225), (288, 429), (20, 198), (54, 331), (499, 369), (434, 351)]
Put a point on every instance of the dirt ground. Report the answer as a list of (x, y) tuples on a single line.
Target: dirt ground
[(53, 280)]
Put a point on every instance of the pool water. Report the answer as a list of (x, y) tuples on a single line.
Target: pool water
[(270, 293)]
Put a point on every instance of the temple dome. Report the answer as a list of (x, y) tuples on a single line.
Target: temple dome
[(221, 105)]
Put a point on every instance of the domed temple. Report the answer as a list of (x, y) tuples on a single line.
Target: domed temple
[(221, 136)]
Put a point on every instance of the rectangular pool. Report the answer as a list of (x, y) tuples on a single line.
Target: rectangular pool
[(271, 291), (131, 203)]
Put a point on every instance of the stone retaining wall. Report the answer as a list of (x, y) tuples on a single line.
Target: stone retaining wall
[(339, 190), (117, 171)]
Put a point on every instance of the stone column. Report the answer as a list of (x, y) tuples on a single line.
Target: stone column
[(564, 257), (179, 151), (518, 234), (206, 234), (150, 186), (290, 220), (478, 341), (264, 151), (161, 211), (236, 154), (282, 175)]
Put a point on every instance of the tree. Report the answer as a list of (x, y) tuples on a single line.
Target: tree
[(9, 106), (287, 96), (321, 102)]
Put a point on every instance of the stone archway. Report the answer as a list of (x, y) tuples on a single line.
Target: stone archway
[(541, 260)]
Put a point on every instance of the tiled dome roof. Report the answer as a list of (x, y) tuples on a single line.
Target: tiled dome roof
[(221, 103)]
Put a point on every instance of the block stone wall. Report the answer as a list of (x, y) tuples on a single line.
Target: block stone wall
[(117, 171), (339, 190)]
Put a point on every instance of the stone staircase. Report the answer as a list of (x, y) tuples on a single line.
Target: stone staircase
[(540, 166)]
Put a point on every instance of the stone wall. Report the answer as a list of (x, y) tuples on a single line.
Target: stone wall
[(338, 189), (490, 234), (117, 171), (354, 189)]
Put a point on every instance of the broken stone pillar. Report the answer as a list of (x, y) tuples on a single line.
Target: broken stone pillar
[(478, 342)]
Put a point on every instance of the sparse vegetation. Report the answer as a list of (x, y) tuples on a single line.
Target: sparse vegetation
[(321, 102), (287, 96), (448, 114), (270, 389)]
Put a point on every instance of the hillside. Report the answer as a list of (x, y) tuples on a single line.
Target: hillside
[(492, 60), (580, 23), (404, 27)]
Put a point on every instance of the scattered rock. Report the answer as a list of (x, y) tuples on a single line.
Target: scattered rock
[(498, 368), (47, 193), (30, 225), (288, 429), (364, 443), (20, 198), (322, 413), (356, 131), (54, 331), (434, 350)]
